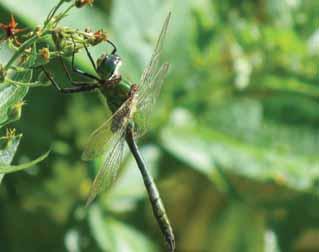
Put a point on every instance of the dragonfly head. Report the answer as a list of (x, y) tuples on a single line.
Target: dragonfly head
[(108, 66)]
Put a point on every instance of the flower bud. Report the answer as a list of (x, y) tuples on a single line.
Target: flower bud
[(45, 54), (14, 112), (97, 38), (81, 3), (9, 138)]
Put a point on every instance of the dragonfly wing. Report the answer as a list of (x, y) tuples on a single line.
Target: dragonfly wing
[(108, 172), (151, 82), (152, 66), (99, 140), (147, 101)]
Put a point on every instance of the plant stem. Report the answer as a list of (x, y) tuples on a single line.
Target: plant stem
[(21, 49), (52, 13)]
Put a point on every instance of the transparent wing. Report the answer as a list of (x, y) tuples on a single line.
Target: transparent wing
[(151, 82), (146, 102), (151, 69), (100, 140), (108, 172)]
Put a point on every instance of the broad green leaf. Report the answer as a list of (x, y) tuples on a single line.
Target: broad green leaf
[(8, 147), (10, 110), (14, 168), (113, 235), (261, 128), (205, 149), (10, 96), (289, 84)]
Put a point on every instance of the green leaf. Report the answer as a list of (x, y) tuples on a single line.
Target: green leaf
[(113, 235), (289, 84), (9, 96), (14, 168), (8, 147), (204, 149)]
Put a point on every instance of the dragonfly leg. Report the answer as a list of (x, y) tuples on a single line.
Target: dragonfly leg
[(67, 72), (90, 57), (73, 82), (76, 89), (113, 45), (80, 71)]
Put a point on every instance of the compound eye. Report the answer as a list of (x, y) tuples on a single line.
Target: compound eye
[(109, 66), (117, 59)]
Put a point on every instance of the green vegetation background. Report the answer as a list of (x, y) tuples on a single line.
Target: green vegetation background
[(233, 145)]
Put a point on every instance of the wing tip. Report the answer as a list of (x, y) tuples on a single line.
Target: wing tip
[(167, 20), (89, 200), (166, 66), (92, 194)]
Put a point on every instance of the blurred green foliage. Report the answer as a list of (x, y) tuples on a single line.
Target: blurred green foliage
[(233, 145)]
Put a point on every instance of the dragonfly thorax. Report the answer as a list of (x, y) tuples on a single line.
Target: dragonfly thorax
[(108, 66), (133, 90), (133, 94)]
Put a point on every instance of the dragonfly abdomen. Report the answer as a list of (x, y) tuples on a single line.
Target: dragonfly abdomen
[(160, 213), (153, 193)]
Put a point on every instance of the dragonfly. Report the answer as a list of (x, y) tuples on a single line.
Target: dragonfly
[(131, 106)]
